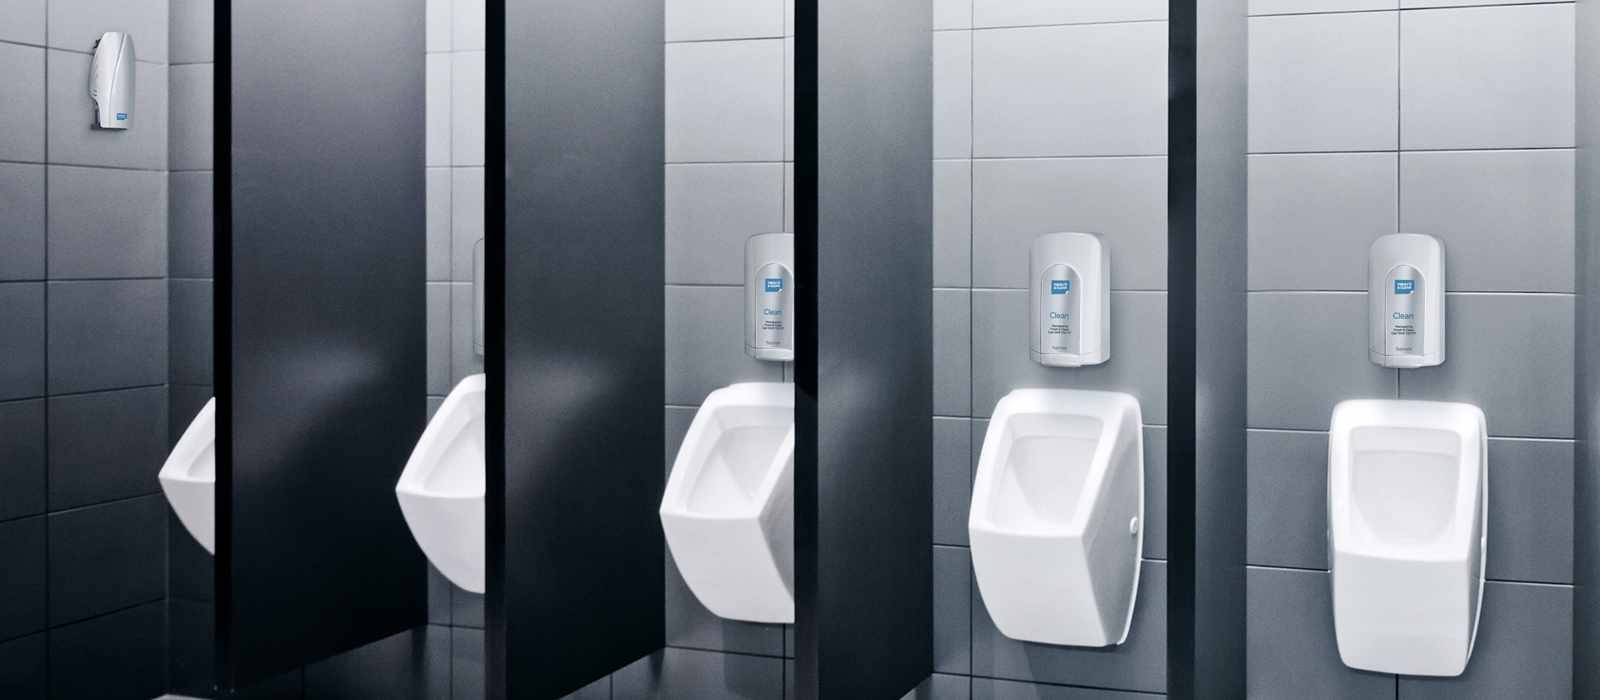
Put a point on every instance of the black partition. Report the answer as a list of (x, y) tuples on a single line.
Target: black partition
[(320, 322), (1586, 420), (1206, 507), (863, 486), (575, 168)]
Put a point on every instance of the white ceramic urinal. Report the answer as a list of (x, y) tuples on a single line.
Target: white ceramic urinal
[(1057, 522), (441, 491), (189, 477), (1407, 503), (728, 512)]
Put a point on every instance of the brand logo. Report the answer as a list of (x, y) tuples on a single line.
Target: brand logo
[(1060, 286), (772, 312), (1404, 286), (1057, 314), (774, 284), (1402, 317), (121, 116)]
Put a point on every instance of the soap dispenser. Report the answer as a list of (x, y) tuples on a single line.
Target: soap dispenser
[(1069, 299), (1405, 300), (769, 296), (111, 81)]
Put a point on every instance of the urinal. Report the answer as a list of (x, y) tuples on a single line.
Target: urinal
[(728, 511), (1057, 516), (441, 491), (189, 477), (1407, 504)]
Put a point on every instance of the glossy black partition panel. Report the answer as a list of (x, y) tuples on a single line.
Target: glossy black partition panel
[(1586, 477), (1206, 330), (320, 318), (864, 489), (573, 524)]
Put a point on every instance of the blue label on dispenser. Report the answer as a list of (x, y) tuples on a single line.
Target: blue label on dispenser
[(1060, 286), (1404, 286), (121, 116), (774, 284)]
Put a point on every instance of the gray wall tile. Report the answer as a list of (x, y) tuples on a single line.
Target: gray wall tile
[(725, 101), (107, 223), (1326, 82), (189, 23), (598, 690), (995, 689), (189, 137), (22, 459), (1137, 664), (699, 20), (952, 14), (437, 102), (24, 22), (1123, 199), (952, 479), (440, 233), (22, 71), (688, 674), (952, 95), (1288, 499), (465, 359), (1487, 77), (22, 208), (440, 337), (1138, 364), (438, 596), (1070, 90), (1016, 13), (468, 654), (190, 340), (183, 406), (466, 609), (119, 656), (1530, 524), (1155, 492), (1528, 397), (22, 349), (23, 581), (705, 344), (711, 210), (1281, 7), (952, 610), (1308, 352), (788, 197), (678, 420), (1523, 649), (788, 92), (466, 220), (939, 686), (952, 223), (107, 334), (1506, 217), (1313, 217), (1292, 649), (189, 224), (76, 24), (71, 111), (952, 352), (106, 445), (691, 625), (107, 557)]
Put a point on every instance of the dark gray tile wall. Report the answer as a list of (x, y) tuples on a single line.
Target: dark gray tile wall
[(1456, 122)]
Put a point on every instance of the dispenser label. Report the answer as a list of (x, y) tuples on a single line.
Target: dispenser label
[(1404, 286), (771, 322), (121, 116), (774, 284), (1403, 312), (1060, 286), (1059, 311)]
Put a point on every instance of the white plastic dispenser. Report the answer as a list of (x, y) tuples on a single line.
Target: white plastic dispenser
[(442, 488), (769, 296), (1405, 300), (189, 477), (111, 81), (728, 510), (1069, 299), (1057, 518), (1407, 520)]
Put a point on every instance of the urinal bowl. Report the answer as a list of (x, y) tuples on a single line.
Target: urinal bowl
[(441, 491), (189, 477), (1407, 506), (728, 510), (1057, 519)]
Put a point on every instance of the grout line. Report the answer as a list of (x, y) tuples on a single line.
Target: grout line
[(1405, 151)]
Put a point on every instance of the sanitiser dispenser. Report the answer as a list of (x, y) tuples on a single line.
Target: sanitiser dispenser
[(111, 81), (1405, 300), (1069, 299), (769, 296)]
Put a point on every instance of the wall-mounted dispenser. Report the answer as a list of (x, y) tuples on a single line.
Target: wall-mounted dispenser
[(769, 296), (111, 81), (1405, 300), (1069, 299)]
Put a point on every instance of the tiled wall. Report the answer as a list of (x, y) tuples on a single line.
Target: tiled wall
[(1457, 122), (1047, 117), (83, 359)]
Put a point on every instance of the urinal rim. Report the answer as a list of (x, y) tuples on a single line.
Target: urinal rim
[(686, 471), (185, 454), (430, 446)]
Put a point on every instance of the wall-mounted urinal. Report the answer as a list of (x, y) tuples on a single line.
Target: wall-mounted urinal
[(1407, 504), (728, 512), (189, 477), (441, 491), (1057, 521)]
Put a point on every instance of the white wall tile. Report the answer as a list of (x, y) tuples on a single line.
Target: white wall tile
[(788, 99), (467, 26), (22, 112), (788, 18), (1412, 4), (23, 21), (695, 20), (788, 197), (724, 101), (1289, 7), (1074, 90), (705, 344), (189, 135), (1123, 199), (952, 94), (465, 358), (438, 338), (466, 220), (1488, 77), (1018, 13), (952, 14), (71, 110), (711, 210), (952, 352), (952, 223), (1507, 217), (440, 235), (76, 24), (438, 69), (1313, 217), (467, 96), (190, 26), (1324, 82), (440, 32)]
